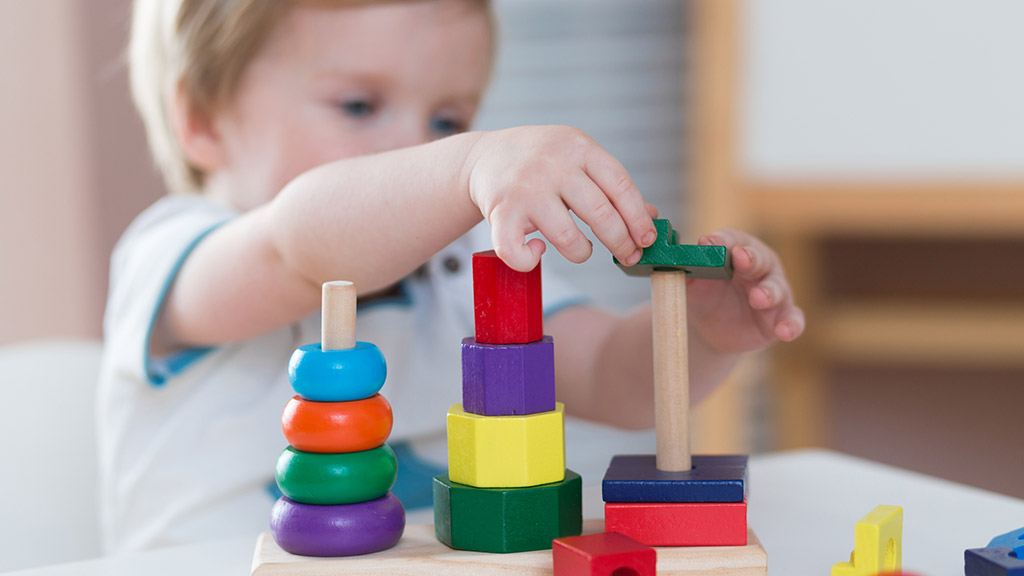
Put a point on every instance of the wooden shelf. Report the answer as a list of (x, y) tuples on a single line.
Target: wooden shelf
[(985, 208), (799, 213), (930, 334)]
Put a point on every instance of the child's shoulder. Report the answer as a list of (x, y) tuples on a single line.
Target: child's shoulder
[(159, 238), (172, 220), (176, 208)]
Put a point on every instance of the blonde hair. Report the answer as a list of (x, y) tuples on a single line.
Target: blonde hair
[(203, 45)]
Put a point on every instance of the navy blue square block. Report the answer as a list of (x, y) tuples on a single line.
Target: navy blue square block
[(999, 561), (714, 478)]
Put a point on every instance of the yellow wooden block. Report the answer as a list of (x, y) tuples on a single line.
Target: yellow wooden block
[(878, 541), (506, 451)]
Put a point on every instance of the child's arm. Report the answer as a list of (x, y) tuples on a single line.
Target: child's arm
[(604, 362), (374, 219)]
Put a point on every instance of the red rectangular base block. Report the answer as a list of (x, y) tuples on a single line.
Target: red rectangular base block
[(679, 524), (603, 554)]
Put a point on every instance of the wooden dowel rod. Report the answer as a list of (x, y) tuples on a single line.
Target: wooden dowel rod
[(671, 370), (338, 323)]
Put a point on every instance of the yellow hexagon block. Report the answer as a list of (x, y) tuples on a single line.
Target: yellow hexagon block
[(506, 451)]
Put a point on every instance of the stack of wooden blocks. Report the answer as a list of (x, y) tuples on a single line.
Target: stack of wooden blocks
[(703, 506), (337, 472), (507, 488), (673, 499)]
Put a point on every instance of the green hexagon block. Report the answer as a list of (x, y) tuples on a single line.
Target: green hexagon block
[(667, 254), (507, 519)]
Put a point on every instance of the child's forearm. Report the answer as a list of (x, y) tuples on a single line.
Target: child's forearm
[(371, 220), (613, 382), (374, 219)]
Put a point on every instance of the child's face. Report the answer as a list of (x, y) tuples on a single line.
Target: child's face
[(331, 83)]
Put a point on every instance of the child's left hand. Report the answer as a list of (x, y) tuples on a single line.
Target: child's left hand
[(752, 310)]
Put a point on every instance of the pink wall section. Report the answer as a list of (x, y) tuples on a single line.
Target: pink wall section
[(72, 161)]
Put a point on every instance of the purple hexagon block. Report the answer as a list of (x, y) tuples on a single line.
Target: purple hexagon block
[(508, 379)]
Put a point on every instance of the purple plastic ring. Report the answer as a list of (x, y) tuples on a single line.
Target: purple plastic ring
[(344, 530)]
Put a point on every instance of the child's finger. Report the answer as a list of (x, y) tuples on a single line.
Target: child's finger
[(773, 300), (752, 260), (509, 239), (770, 292), (614, 181), (760, 263), (588, 202), (789, 323), (556, 224)]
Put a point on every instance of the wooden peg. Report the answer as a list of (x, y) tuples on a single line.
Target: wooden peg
[(668, 263), (671, 370), (338, 323)]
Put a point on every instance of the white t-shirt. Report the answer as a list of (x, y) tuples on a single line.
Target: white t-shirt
[(188, 443)]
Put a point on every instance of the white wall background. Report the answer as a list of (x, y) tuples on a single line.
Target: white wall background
[(883, 87), (613, 69)]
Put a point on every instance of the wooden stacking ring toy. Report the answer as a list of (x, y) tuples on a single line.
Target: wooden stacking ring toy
[(337, 375), (348, 530), (337, 426), (332, 479)]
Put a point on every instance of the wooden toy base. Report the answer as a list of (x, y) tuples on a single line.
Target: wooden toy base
[(419, 553)]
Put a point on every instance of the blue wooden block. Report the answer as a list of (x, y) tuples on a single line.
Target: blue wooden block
[(1014, 540), (998, 561), (714, 478)]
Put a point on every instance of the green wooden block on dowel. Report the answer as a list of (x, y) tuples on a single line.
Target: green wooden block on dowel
[(666, 253)]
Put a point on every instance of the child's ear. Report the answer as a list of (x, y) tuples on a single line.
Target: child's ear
[(196, 133)]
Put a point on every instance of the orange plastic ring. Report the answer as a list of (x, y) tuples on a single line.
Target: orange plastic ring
[(332, 427)]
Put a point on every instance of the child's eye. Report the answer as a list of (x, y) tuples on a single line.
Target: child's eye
[(357, 108), (443, 126)]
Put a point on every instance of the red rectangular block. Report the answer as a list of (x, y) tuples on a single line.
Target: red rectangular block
[(507, 303), (603, 554), (679, 524)]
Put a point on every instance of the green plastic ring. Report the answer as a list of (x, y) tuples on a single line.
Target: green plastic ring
[(332, 479)]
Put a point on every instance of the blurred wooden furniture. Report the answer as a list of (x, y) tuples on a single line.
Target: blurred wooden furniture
[(797, 215)]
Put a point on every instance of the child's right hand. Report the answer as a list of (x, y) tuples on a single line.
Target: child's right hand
[(528, 179)]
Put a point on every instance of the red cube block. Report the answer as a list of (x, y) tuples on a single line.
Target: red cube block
[(604, 554), (507, 303), (679, 524)]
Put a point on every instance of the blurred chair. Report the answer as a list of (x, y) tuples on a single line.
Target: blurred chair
[(48, 483)]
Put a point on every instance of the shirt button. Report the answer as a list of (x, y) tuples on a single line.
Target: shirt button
[(452, 264)]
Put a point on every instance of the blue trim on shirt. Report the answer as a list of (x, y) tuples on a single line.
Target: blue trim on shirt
[(274, 490), (403, 298), (158, 370), (161, 369), (415, 483)]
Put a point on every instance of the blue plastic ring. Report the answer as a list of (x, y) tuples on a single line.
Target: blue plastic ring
[(337, 375)]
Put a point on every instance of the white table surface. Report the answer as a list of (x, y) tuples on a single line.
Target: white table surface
[(803, 506)]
